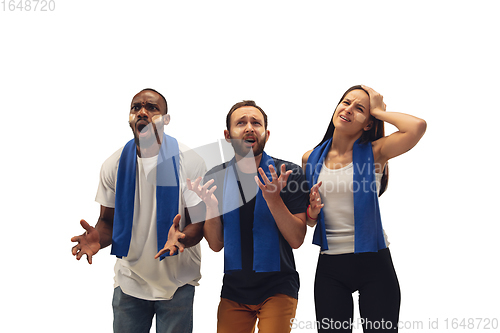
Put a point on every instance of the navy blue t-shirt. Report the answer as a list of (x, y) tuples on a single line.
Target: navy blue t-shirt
[(247, 286)]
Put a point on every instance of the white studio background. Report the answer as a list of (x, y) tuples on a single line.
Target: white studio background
[(68, 76)]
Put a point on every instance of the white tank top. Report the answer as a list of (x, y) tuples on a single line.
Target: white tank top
[(337, 195)]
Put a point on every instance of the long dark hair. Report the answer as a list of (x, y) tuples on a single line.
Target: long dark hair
[(374, 133)]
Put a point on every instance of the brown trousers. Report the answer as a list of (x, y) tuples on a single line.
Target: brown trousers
[(274, 315)]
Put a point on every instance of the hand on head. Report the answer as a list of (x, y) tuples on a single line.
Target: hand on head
[(376, 100)]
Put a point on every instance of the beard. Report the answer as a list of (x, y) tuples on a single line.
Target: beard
[(242, 150)]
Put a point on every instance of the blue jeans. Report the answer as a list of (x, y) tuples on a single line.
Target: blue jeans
[(134, 315)]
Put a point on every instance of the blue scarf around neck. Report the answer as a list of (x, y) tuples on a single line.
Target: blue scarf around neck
[(167, 194), (368, 233), (266, 257)]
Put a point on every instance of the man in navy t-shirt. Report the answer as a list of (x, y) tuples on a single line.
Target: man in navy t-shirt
[(256, 210)]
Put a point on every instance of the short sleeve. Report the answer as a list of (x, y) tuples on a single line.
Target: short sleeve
[(107, 181), (296, 193)]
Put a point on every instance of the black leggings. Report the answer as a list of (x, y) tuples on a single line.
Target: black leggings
[(373, 275)]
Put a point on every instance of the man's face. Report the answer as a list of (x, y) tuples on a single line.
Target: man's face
[(148, 117), (247, 132)]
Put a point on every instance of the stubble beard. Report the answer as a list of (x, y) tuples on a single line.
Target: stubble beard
[(149, 141), (247, 152)]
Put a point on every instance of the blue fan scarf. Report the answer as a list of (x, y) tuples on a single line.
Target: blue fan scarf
[(167, 194), (266, 257), (368, 233)]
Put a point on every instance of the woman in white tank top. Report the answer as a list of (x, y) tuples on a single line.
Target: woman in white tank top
[(354, 254)]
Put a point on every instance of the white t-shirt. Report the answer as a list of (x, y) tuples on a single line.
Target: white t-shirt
[(139, 274), (337, 195)]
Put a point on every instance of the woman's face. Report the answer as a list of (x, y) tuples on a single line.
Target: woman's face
[(353, 112)]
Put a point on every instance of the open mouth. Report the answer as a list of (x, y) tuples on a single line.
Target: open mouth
[(142, 127), (250, 141), (345, 119)]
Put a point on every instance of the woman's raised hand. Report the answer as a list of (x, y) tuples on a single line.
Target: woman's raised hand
[(376, 101)]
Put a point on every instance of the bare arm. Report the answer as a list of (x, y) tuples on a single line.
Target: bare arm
[(105, 226), (291, 226), (193, 231), (214, 233), (305, 157), (410, 130)]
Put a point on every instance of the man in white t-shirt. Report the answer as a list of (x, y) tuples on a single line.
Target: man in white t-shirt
[(157, 245)]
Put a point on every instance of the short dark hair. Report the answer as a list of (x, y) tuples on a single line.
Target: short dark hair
[(163, 97), (242, 104)]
